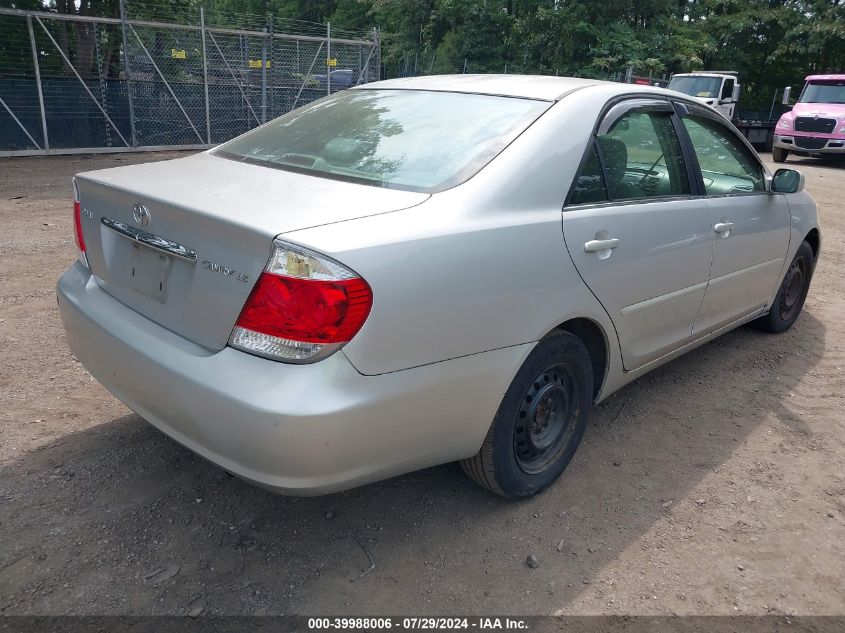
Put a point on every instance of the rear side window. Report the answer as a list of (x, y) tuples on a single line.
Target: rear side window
[(642, 157), (589, 185), (404, 139), (727, 165)]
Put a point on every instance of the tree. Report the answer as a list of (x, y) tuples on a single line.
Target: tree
[(770, 43)]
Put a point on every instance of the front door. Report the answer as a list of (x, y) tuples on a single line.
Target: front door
[(637, 236), (749, 226), (726, 103)]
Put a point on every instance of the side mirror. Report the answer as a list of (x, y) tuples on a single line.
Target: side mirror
[(787, 181), (735, 95), (787, 92)]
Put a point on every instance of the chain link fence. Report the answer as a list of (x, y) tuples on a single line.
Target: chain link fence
[(73, 84)]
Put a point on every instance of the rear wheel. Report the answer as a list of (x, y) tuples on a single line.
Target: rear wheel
[(791, 294), (779, 155), (540, 422)]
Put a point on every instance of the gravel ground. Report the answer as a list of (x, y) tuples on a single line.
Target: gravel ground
[(713, 485)]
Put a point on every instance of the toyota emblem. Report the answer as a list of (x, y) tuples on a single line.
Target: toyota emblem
[(141, 215)]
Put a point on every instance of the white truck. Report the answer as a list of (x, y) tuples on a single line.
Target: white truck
[(718, 89)]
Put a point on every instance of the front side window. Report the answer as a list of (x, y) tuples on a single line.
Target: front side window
[(727, 165), (403, 139), (642, 157), (728, 89)]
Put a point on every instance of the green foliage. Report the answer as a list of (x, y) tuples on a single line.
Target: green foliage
[(771, 43)]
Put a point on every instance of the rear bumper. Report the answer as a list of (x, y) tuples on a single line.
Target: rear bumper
[(794, 144), (298, 429)]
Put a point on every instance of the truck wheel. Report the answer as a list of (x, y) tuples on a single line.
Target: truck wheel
[(779, 154), (540, 422)]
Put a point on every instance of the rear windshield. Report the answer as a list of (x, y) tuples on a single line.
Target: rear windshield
[(403, 139), (824, 92)]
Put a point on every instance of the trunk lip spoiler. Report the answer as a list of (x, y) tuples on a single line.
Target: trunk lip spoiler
[(151, 240)]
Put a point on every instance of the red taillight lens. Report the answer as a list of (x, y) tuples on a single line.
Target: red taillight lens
[(303, 307), (78, 237), (305, 310), (77, 226)]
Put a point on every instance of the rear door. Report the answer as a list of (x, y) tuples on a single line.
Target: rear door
[(637, 233), (749, 226)]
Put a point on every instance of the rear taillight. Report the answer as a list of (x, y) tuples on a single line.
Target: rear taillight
[(303, 307), (77, 225)]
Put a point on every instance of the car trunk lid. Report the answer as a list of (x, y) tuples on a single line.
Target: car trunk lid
[(189, 261)]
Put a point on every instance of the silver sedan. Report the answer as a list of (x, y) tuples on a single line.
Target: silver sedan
[(425, 270)]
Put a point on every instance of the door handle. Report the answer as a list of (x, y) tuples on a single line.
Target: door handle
[(594, 246), (723, 227)]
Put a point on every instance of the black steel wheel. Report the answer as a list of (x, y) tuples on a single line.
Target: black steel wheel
[(789, 301), (540, 422), (544, 422), (792, 292)]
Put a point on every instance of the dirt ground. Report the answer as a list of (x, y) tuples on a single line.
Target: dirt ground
[(712, 486)]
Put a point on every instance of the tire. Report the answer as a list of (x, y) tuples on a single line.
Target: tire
[(779, 155), (554, 390), (791, 294)]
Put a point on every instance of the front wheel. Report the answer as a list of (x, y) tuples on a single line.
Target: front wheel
[(779, 155), (791, 294), (540, 422)]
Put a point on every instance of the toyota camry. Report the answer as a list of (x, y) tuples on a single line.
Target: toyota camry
[(425, 270)]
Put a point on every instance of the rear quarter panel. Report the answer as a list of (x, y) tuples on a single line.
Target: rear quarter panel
[(479, 267)]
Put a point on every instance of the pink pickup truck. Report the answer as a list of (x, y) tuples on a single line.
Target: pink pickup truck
[(816, 124)]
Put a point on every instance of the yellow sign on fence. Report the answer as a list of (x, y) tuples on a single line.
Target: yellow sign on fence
[(331, 61), (256, 63), (178, 53)]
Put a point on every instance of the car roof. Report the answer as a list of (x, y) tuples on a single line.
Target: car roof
[(525, 86), (824, 77), (707, 73)]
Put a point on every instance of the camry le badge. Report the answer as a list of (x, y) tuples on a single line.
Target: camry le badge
[(225, 271), (141, 215)]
